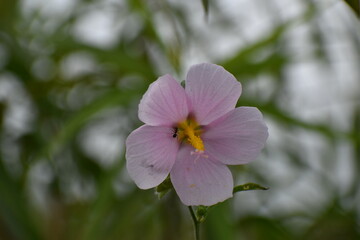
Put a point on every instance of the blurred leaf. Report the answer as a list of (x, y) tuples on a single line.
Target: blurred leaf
[(20, 59), (14, 209), (8, 10), (256, 227), (205, 4), (356, 151), (220, 224), (3, 107), (118, 59), (355, 5), (282, 117), (114, 98), (102, 205), (248, 187), (242, 64), (335, 223), (170, 209)]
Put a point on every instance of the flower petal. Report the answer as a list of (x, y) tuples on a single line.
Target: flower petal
[(212, 90), (164, 103), (237, 137), (150, 154), (200, 181)]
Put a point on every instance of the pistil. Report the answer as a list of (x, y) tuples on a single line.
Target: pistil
[(190, 131)]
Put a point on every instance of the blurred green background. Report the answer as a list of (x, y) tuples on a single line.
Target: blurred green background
[(72, 73)]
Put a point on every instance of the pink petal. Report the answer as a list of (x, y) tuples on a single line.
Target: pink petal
[(150, 154), (164, 103), (212, 90), (200, 181), (237, 137)]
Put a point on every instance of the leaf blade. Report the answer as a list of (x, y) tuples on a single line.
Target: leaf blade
[(249, 187)]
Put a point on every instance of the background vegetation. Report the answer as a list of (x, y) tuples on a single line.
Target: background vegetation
[(73, 72)]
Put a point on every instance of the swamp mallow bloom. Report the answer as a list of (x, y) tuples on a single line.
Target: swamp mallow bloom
[(193, 133)]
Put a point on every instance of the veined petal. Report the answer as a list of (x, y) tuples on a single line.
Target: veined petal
[(164, 103), (198, 180), (237, 137), (150, 155), (212, 90)]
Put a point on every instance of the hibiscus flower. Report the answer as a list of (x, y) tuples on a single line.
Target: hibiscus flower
[(193, 134)]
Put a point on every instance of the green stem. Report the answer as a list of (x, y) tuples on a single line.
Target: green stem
[(196, 223)]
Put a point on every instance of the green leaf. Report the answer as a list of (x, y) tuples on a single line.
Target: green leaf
[(202, 211), (248, 187), (164, 188)]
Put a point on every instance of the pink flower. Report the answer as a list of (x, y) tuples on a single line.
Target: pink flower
[(193, 133)]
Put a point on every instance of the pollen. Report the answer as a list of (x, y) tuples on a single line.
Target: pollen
[(189, 131), (196, 142)]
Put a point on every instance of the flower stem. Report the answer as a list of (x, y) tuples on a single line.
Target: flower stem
[(196, 223)]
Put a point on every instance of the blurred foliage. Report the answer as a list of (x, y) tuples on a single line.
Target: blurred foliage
[(59, 93), (355, 5)]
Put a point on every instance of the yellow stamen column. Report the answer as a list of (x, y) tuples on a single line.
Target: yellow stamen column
[(190, 131)]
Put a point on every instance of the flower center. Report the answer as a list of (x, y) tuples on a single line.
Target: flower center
[(189, 130)]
